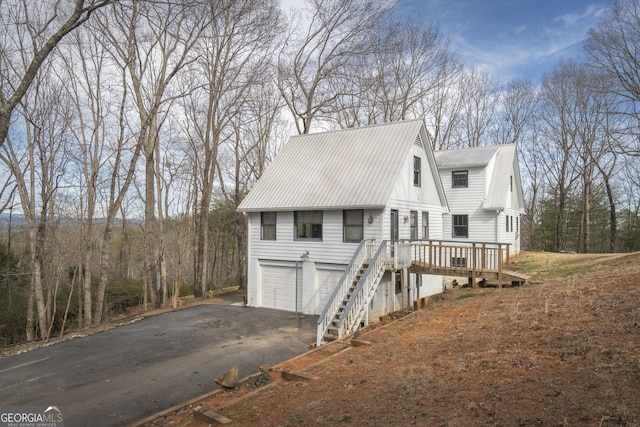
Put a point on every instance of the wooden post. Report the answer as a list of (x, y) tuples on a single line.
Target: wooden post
[(474, 272), (500, 266), (484, 257), (408, 276), (401, 288)]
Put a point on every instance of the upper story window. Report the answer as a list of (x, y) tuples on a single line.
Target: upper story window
[(308, 225), (268, 225), (417, 171), (353, 225), (460, 226), (460, 179), (425, 225), (510, 182), (414, 224)]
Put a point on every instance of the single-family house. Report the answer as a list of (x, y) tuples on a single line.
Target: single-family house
[(324, 218), (327, 192)]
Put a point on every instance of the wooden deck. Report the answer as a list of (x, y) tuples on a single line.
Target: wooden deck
[(472, 260)]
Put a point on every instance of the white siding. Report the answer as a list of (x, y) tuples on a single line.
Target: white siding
[(405, 197), (468, 201), (324, 263), (331, 249)]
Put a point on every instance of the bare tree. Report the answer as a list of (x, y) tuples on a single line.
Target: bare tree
[(234, 55), (613, 45), (36, 159), (153, 41), (408, 60), (84, 67), (30, 31), (478, 92), (404, 65), (515, 111), (558, 142), (257, 134), (313, 66), (443, 109)]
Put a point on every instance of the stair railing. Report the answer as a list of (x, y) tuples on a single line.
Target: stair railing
[(362, 254), (362, 294)]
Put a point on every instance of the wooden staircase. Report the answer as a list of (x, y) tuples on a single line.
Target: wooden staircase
[(348, 304), (332, 331)]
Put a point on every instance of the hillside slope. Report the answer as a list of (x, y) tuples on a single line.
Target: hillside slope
[(563, 351)]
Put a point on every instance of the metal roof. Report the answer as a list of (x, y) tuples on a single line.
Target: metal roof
[(505, 164), (466, 157), (499, 185), (355, 167)]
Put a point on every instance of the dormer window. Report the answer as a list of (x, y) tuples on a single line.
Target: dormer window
[(460, 179)]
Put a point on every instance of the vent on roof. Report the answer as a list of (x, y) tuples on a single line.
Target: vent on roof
[(419, 142)]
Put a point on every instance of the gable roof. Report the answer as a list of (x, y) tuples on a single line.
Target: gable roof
[(466, 157), (505, 164), (350, 168)]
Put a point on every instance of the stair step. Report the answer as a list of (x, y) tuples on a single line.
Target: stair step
[(329, 338)]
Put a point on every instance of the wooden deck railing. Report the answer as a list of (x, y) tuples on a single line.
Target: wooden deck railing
[(472, 259)]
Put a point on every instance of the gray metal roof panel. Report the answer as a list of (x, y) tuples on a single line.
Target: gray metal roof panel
[(505, 162), (355, 167), (498, 190), (466, 157)]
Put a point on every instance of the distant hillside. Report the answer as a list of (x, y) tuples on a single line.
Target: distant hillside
[(19, 221)]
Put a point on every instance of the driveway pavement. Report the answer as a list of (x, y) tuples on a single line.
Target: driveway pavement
[(124, 374)]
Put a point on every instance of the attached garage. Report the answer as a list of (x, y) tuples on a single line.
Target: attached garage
[(278, 287), (327, 280)]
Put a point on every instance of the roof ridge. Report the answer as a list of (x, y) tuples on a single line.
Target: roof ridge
[(361, 127)]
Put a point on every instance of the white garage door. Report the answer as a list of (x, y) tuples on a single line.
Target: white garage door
[(278, 287), (327, 281)]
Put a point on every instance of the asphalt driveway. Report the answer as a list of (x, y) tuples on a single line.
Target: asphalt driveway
[(124, 374)]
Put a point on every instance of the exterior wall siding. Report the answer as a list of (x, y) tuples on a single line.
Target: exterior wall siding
[(308, 256), (468, 201)]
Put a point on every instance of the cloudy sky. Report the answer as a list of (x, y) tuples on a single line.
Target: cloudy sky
[(511, 38)]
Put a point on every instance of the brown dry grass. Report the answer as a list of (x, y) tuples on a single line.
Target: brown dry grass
[(563, 351)]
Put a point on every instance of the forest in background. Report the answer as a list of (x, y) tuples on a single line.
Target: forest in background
[(131, 130)]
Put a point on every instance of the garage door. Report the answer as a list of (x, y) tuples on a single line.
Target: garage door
[(278, 287), (327, 281)]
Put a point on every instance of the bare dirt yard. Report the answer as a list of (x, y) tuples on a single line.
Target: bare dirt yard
[(563, 350)]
